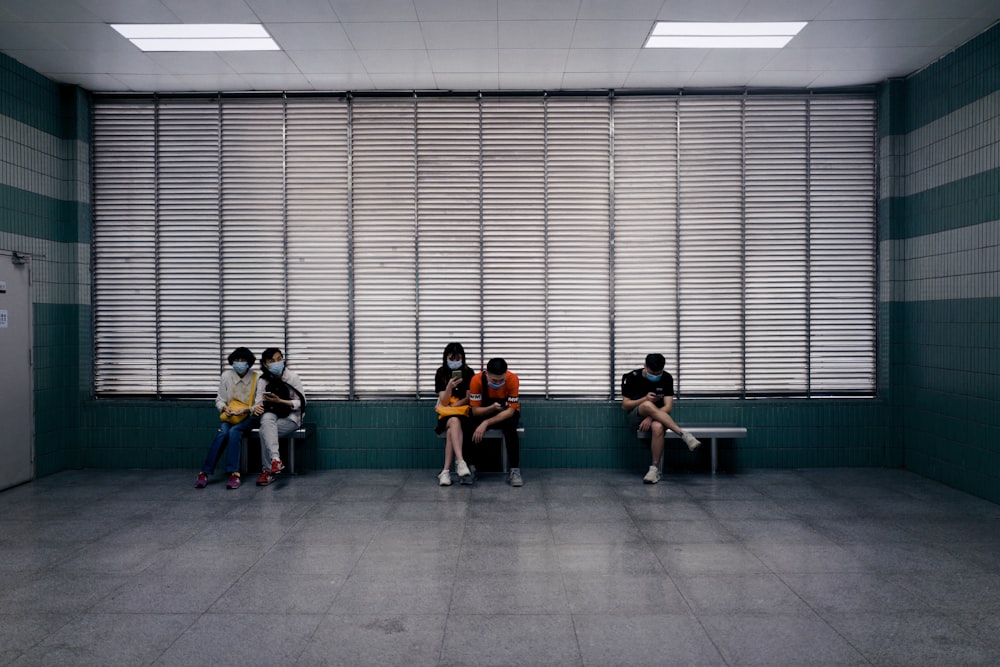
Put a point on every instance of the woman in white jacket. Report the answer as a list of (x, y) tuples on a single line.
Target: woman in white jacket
[(280, 403)]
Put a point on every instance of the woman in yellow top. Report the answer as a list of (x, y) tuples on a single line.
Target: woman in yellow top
[(235, 383)]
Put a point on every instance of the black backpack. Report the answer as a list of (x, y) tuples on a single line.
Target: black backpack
[(282, 390)]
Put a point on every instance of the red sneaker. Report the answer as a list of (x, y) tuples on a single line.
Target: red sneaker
[(265, 478), (234, 481), (202, 481), (276, 466)]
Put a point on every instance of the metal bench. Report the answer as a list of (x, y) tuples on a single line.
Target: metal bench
[(497, 434), (301, 434), (702, 431)]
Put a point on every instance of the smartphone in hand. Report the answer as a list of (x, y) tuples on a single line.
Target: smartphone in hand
[(456, 374)]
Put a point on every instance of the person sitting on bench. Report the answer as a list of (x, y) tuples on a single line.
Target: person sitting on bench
[(493, 396), (280, 404), (648, 397)]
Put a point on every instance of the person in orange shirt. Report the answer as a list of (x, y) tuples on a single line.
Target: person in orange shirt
[(493, 396)]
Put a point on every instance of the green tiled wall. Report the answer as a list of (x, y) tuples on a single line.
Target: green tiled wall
[(558, 434), (941, 203), (44, 213)]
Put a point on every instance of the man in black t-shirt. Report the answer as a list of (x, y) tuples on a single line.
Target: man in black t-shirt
[(648, 397)]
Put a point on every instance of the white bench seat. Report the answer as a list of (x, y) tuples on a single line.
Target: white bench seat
[(301, 434), (702, 431), (497, 434)]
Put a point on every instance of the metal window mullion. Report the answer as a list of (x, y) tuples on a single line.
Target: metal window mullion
[(611, 245), (743, 245), (156, 230), (808, 276), (351, 392), (416, 243), (482, 237), (284, 218), (677, 244), (545, 236), (218, 200)]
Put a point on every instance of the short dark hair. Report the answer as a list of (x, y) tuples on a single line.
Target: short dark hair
[(267, 354), (655, 362), (241, 353), (452, 349), (496, 366)]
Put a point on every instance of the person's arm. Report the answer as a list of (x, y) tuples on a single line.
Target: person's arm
[(292, 379), (222, 398), (258, 396)]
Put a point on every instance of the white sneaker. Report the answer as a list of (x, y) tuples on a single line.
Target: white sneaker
[(464, 474), (444, 478), (653, 476), (515, 477), (692, 442)]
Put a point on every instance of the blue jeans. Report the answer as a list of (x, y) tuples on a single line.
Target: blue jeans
[(228, 438)]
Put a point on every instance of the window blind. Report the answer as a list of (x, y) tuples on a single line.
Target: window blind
[(448, 202), (569, 234)]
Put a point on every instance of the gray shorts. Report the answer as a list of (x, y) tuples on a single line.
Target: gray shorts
[(634, 418)]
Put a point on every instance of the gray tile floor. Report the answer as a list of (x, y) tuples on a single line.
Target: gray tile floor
[(802, 567)]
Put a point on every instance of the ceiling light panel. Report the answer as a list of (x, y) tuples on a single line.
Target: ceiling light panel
[(198, 36)]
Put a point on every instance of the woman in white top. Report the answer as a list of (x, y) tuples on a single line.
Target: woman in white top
[(280, 403)]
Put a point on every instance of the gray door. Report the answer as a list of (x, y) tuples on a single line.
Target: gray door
[(17, 448)]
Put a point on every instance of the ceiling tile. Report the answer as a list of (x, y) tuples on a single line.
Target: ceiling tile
[(96, 82), (532, 10), (536, 34), (87, 37), (736, 60), (834, 34), (456, 10), (395, 62), (183, 63), (309, 36), (350, 81), (216, 11), (464, 60), (589, 80), (30, 36), (387, 36), (129, 11), (646, 10), (677, 79), (82, 62), (782, 10), (699, 10), (259, 62), (668, 60), (892, 59), (283, 82), (47, 10), (459, 34), (467, 80), (327, 62), (600, 60), (403, 81), (610, 34), (530, 80), (533, 60), (292, 11), (847, 77), (370, 11)]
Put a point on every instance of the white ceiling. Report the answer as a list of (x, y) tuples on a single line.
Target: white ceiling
[(361, 45)]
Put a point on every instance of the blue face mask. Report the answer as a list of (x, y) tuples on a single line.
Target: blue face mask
[(276, 368), (496, 385), (654, 378), (454, 365), (241, 367)]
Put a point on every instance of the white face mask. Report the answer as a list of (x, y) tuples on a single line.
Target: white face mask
[(454, 365)]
